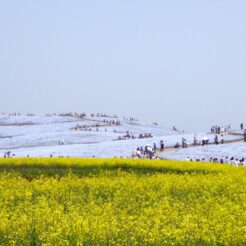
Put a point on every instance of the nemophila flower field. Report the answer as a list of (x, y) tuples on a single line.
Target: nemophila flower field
[(121, 202)]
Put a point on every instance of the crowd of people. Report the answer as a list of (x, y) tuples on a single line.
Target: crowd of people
[(10, 114), (86, 127), (8, 154), (105, 123), (218, 139), (71, 114), (112, 122), (92, 115), (103, 115), (148, 151), (130, 119), (219, 129), (130, 135), (227, 160)]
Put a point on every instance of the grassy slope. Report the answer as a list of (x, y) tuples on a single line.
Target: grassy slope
[(123, 202)]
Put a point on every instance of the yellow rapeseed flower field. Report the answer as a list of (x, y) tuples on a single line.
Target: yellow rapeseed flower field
[(121, 202)]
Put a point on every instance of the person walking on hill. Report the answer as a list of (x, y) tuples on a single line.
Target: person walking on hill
[(222, 139), (162, 145), (216, 139), (154, 147), (241, 126), (195, 140), (219, 130), (184, 143)]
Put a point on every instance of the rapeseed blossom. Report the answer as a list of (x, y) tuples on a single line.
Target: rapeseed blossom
[(121, 202)]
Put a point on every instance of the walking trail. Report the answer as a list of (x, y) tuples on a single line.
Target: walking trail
[(168, 149)]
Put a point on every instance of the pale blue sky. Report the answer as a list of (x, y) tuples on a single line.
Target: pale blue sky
[(178, 63)]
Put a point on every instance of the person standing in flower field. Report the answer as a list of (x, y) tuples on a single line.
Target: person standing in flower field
[(216, 139), (222, 139), (162, 145)]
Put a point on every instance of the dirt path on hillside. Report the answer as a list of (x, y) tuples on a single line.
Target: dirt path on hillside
[(168, 149)]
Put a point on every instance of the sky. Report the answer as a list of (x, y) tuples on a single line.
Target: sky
[(179, 63)]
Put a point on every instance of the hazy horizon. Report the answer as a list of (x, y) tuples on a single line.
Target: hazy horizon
[(176, 63)]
